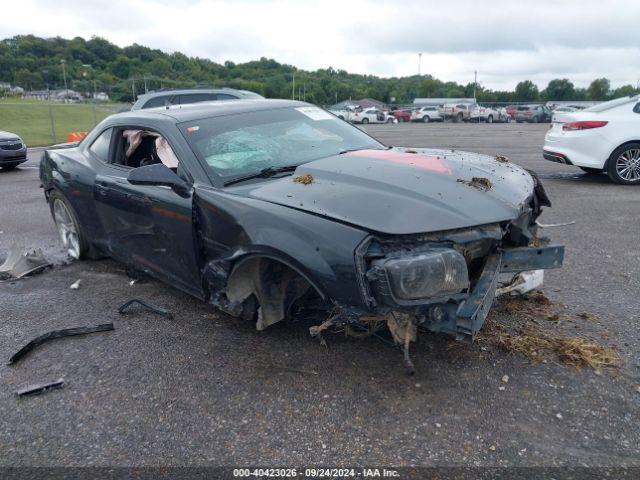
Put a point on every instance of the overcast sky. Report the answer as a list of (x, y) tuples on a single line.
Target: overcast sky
[(505, 41)]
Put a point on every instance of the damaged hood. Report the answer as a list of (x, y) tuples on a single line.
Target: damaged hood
[(403, 191)]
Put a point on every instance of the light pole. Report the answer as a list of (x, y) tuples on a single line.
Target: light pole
[(419, 64), (84, 74), (475, 82), (64, 77), (45, 73), (293, 85)]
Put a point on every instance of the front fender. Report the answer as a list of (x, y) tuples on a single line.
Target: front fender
[(232, 227)]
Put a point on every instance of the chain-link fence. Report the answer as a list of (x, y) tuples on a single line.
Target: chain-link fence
[(46, 122)]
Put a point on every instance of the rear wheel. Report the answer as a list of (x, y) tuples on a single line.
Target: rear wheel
[(592, 171), (69, 230), (426, 119), (490, 119), (365, 120), (624, 164), (8, 167), (534, 120)]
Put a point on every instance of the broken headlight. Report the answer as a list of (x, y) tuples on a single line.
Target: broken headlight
[(435, 273)]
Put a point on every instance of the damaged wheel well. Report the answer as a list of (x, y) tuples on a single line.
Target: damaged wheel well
[(266, 286)]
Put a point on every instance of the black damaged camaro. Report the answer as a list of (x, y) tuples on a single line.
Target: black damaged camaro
[(268, 207)]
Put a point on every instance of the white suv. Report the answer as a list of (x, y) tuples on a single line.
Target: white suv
[(426, 114)]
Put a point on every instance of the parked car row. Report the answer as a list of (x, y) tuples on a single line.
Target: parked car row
[(454, 112), (364, 115)]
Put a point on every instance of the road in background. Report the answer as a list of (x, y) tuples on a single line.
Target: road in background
[(206, 389)]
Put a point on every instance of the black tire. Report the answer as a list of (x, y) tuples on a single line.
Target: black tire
[(535, 120), (365, 120), (490, 119), (518, 121), (83, 244), (426, 119), (616, 171), (508, 120), (389, 120), (6, 168), (591, 171)]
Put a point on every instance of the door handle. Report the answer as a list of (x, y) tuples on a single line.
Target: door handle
[(141, 199), (101, 189)]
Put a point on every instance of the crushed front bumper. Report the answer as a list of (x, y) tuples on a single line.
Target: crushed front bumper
[(465, 318)]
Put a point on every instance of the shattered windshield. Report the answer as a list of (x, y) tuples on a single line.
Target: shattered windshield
[(240, 144)]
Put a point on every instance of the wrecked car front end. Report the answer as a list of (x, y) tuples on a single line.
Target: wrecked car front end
[(446, 282), (440, 229)]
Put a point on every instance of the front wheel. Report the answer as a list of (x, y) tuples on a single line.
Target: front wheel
[(69, 230), (623, 166), (490, 119), (6, 168), (426, 119), (534, 120)]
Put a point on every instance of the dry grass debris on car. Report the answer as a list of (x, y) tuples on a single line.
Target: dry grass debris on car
[(480, 183), (501, 159), (304, 179)]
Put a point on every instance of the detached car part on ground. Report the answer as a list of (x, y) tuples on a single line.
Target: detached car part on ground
[(268, 208)]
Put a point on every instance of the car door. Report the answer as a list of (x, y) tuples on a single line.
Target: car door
[(146, 226)]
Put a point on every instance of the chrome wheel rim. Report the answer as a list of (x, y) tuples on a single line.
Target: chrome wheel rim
[(628, 165), (66, 228)]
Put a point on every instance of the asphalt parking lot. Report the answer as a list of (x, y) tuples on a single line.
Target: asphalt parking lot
[(206, 389)]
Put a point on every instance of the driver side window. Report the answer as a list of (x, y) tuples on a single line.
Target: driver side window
[(137, 147)]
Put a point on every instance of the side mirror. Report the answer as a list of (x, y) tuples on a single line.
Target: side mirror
[(158, 174)]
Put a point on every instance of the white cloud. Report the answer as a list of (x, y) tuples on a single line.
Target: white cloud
[(504, 41)]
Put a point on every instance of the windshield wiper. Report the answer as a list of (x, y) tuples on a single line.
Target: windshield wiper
[(264, 173), (347, 150)]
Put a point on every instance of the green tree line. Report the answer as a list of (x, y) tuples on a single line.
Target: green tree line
[(37, 63)]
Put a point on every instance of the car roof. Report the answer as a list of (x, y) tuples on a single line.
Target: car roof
[(196, 111), (145, 97), (180, 91)]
